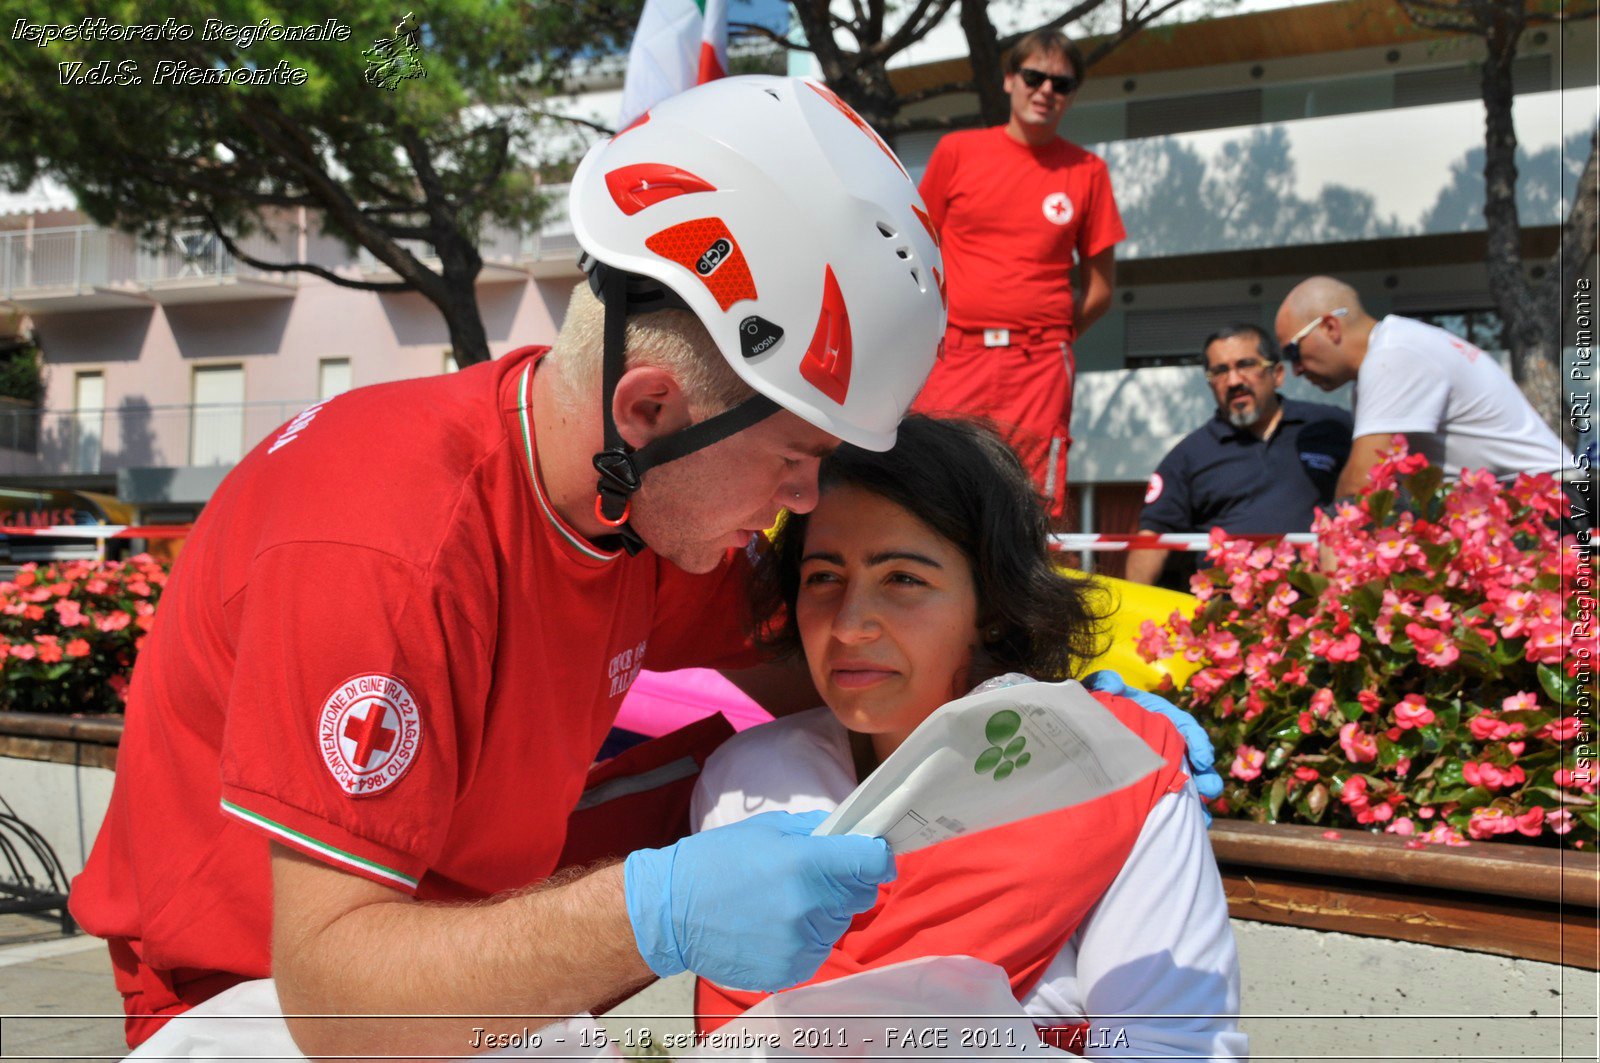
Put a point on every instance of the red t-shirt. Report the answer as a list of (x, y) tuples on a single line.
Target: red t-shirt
[(1010, 219), (383, 648)]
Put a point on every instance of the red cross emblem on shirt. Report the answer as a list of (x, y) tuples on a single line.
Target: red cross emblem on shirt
[(369, 734)]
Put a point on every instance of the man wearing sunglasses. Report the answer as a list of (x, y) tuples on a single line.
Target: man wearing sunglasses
[(1452, 402), (1015, 206), (1262, 465)]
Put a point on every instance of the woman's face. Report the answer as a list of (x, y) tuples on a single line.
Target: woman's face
[(887, 613)]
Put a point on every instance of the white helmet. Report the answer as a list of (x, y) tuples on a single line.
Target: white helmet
[(775, 214)]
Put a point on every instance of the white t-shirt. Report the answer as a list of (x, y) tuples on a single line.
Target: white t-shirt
[(1157, 944), (1452, 401)]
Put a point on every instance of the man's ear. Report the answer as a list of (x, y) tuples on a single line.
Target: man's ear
[(1335, 327), (649, 404)]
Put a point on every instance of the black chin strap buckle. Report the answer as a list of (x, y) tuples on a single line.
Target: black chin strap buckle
[(619, 479)]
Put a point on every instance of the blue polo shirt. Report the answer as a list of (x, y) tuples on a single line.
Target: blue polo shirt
[(1224, 477)]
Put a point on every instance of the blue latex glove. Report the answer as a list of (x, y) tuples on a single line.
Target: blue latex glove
[(1202, 758), (753, 905)]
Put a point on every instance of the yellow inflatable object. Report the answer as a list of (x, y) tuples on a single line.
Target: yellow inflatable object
[(1132, 604)]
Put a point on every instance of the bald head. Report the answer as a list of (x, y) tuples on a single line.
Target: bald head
[(1323, 329), (1320, 295)]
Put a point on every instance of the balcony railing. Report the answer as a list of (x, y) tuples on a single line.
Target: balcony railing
[(552, 243), (83, 259), (130, 436), (79, 259)]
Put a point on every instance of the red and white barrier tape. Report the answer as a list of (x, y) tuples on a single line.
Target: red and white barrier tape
[(103, 531), (1196, 542)]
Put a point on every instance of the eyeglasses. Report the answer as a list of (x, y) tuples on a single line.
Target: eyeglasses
[(1060, 84), (1291, 349), (1244, 366)]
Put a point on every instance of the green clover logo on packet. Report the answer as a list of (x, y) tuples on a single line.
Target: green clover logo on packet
[(1004, 754)]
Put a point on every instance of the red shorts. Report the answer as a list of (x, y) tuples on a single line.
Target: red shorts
[(150, 997), (1024, 387)]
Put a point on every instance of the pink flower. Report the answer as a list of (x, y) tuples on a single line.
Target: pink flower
[(1491, 776), (1153, 641), (1437, 610), (1369, 700), (1572, 780), (78, 648), (49, 651), (1434, 648), (1359, 746), (1322, 703), (1222, 647), (1305, 774), (112, 622), (1442, 834), (1347, 648), (1402, 826), (1522, 700), (1486, 727), (1305, 723), (1559, 821), (69, 613), (1489, 822), (1412, 711), (26, 651), (1562, 730), (1531, 822), (1247, 763)]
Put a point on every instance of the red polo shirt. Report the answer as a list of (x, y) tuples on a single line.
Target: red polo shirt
[(383, 648)]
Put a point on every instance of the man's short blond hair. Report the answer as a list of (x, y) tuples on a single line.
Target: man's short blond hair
[(673, 340)]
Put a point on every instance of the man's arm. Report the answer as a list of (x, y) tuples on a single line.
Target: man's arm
[(347, 946), (1099, 280), (1144, 566), (1364, 453)]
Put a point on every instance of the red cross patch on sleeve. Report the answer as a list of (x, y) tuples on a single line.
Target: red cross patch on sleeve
[(1153, 491), (369, 733)]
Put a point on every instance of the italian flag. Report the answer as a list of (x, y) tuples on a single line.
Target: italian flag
[(679, 44)]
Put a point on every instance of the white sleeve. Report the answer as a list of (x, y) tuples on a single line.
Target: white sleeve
[(1401, 390), (1157, 948), (783, 766)]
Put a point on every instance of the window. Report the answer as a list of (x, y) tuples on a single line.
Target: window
[(333, 378), (1480, 327), (1177, 336), (88, 420), (216, 434)]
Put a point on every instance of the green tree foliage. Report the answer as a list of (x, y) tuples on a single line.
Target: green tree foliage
[(413, 173), (1531, 309), (856, 44)]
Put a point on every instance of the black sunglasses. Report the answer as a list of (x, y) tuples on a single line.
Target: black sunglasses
[(1060, 84)]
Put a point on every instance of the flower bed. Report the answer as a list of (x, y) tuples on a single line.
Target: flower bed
[(1421, 682), (69, 633)]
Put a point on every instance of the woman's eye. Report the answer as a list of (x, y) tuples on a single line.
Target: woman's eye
[(906, 579), (813, 579)]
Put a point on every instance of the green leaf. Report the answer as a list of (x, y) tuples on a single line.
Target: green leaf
[(1280, 789), (1561, 688), (1380, 504), (1423, 487)]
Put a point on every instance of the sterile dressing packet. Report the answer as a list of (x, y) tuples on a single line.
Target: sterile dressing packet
[(993, 757)]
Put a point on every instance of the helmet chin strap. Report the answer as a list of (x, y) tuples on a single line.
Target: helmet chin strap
[(622, 468)]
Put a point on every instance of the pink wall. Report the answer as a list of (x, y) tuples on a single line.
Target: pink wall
[(148, 352)]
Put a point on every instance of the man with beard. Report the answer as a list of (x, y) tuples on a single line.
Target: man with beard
[(1262, 465)]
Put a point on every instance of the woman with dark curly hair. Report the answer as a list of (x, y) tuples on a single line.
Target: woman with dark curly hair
[(922, 572)]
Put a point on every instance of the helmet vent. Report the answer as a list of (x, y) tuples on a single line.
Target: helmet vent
[(916, 278), (904, 253), (887, 230)]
